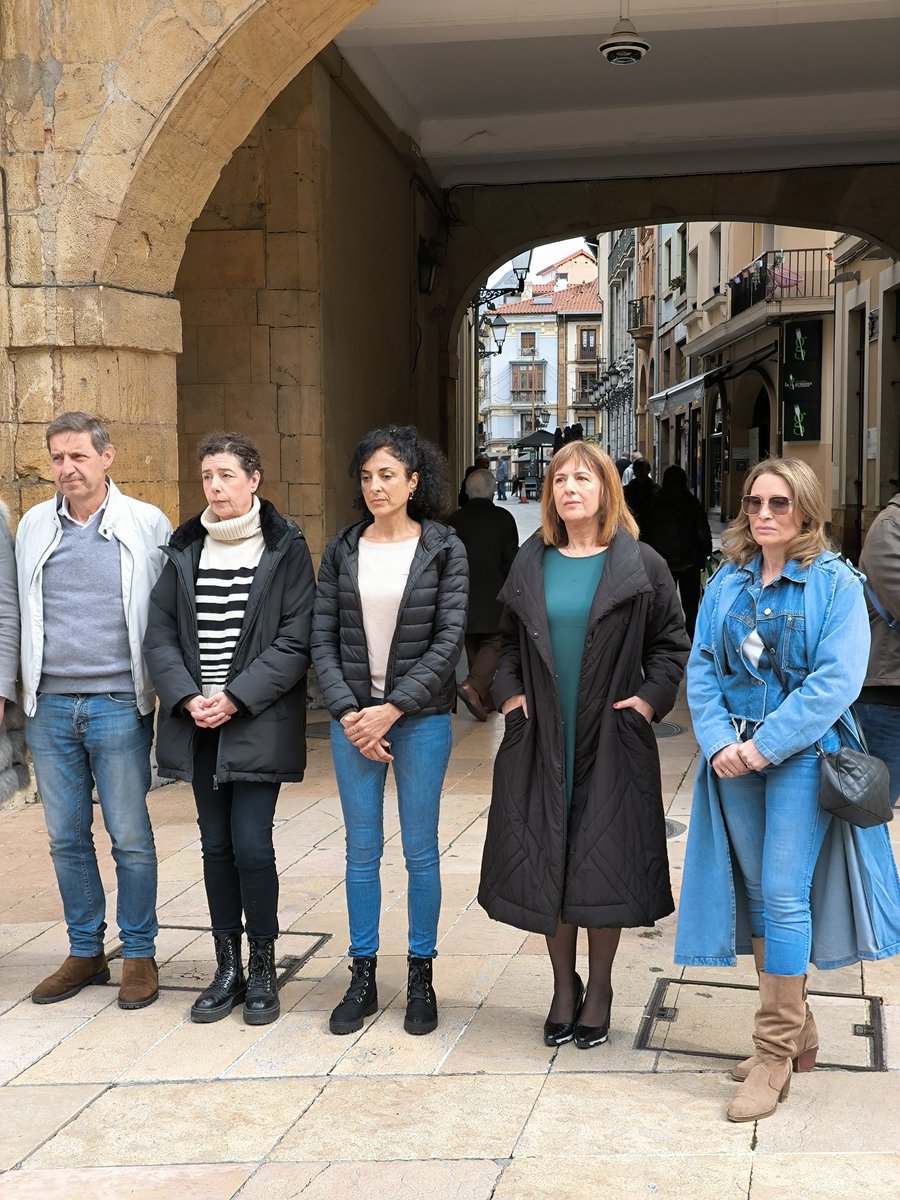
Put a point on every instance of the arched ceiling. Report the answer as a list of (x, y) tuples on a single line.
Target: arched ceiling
[(511, 91)]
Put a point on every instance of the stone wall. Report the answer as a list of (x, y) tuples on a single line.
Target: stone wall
[(251, 298)]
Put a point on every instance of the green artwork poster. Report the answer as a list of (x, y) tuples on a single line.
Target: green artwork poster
[(801, 381)]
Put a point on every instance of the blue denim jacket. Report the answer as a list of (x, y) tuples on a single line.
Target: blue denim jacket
[(813, 620)]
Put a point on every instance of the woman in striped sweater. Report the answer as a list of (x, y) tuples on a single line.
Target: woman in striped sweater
[(227, 646)]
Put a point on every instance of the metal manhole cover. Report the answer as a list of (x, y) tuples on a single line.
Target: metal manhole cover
[(665, 729), (187, 975), (674, 828), (705, 1019), (321, 729)]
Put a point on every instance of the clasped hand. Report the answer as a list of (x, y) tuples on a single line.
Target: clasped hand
[(366, 730), (740, 758), (209, 712)]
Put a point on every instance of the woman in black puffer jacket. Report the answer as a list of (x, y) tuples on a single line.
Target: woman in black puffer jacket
[(388, 631)]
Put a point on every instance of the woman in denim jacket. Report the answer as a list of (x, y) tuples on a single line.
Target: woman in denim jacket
[(762, 857)]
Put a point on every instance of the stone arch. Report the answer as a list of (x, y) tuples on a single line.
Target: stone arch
[(182, 90), (488, 225)]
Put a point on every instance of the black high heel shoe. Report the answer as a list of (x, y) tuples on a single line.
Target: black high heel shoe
[(588, 1036), (557, 1033)]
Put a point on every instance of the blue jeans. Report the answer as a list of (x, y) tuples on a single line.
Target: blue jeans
[(74, 742), (881, 726), (776, 829), (421, 750)]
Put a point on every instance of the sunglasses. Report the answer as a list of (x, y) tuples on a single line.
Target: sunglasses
[(778, 506)]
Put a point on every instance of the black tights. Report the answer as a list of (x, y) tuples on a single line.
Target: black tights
[(562, 946)]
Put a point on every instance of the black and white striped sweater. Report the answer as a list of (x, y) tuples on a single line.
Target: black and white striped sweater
[(228, 561)]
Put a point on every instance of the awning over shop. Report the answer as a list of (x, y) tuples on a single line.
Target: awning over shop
[(690, 391), (673, 398)]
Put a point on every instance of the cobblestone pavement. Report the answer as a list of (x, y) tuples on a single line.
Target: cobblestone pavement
[(146, 1105)]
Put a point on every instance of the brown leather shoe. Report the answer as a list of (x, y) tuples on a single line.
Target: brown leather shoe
[(471, 700), (140, 982), (72, 976)]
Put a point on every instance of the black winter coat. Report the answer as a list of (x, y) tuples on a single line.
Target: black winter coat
[(605, 862), (491, 538), (265, 741), (675, 525), (420, 678)]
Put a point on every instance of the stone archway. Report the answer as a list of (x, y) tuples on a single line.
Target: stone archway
[(115, 128)]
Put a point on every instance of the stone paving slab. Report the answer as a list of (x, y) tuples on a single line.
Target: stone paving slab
[(135, 1183), (425, 1117), (180, 1123), (627, 1177)]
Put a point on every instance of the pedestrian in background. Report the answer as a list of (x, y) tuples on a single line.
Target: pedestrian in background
[(675, 525), (13, 768), (87, 560), (502, 476), (779, 655), (227, 645), (639, 492), (593, 651), (387, 635), (878, 707), (491, 538), (481, 463), (628, 473)]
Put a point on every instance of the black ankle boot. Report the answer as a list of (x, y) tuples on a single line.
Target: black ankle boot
[(262, 1004), (228, 986), (421, 1002), (360, 1000)]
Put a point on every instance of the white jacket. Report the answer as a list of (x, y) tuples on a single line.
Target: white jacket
[(140, 530)]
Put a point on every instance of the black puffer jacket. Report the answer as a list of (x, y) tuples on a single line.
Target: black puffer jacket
[(605, 862), (428, 641), (265, 741)]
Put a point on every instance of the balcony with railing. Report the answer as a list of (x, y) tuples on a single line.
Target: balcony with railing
[(640, 320), (621, 249), (780, 275)]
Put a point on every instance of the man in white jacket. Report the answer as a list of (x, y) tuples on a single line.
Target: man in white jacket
[(86, 562)]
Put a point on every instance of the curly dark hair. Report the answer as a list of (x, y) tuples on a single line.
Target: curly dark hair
[(237, 444), (432, 497)]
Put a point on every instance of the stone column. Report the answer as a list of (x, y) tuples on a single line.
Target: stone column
[(106, 351)]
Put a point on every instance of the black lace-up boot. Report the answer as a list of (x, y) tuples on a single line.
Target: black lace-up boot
[(421, 1002), (360, 1000), (228, 985), (262, 1004)]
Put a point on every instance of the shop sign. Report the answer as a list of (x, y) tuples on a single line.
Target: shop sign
[(801, 381)]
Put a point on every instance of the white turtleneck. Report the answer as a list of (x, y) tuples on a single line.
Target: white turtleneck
[(228, 561)]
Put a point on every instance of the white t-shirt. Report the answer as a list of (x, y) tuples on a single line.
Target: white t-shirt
[(383, 572)]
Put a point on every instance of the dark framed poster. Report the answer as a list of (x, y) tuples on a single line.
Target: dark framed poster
[(801, 382)]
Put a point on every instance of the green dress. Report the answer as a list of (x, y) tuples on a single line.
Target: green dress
[(569, 587)]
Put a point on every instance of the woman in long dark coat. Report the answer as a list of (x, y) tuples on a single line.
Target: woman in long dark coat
[(593, 652)]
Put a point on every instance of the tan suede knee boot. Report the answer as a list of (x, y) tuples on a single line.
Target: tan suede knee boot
[(807, 1042), (778, 1023)]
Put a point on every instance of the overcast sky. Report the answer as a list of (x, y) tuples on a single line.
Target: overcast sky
[(544, 256)]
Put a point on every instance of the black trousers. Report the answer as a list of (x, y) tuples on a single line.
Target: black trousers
[(235, 822), (689, 590), (483, 654)]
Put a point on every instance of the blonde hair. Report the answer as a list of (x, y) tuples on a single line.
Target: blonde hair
[(614, 513), (738, 543)]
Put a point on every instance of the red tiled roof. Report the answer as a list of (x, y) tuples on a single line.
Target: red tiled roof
[(579, 298)]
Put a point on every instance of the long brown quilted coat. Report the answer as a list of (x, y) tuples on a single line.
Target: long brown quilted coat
[(605, 862)]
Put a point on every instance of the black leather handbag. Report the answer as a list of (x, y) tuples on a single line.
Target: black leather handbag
[(854, 785)]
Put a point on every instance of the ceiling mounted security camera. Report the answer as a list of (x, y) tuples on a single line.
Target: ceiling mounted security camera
[(624, 45)]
